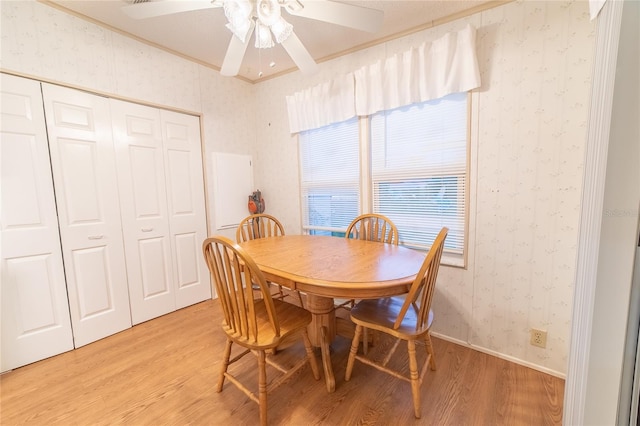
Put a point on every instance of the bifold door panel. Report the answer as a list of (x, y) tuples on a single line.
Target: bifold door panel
[(35, 312), (139, 151), (185, 193), (85, 180)]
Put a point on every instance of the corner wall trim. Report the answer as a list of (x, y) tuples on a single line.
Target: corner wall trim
[(606, 52)]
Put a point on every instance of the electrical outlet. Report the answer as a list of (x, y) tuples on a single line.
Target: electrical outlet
[(538, 338)]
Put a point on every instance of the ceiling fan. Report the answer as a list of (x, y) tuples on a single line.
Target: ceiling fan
[(264, 18)]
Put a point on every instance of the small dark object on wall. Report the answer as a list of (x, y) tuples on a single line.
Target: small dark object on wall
[(256, 203)]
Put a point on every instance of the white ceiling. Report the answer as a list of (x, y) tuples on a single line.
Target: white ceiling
[(201, 35)]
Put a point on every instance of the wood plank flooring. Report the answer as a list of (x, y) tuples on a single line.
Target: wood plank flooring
[(163, 372)]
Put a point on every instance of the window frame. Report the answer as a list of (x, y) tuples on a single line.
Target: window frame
[(366, 201)]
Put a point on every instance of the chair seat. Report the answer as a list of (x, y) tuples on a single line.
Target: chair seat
[(292, 319), (380, 314)]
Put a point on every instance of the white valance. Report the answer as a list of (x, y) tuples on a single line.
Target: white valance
[(430, 71), (321, 105)]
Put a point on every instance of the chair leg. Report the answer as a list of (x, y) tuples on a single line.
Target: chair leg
[(225, 364), (352, 352), (432, 361), (310, 355), (369, 337), (365, 341), (262, 387), (415, 380)]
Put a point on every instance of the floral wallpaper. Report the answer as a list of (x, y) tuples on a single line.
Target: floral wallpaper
[(529, 123), (536, 66)]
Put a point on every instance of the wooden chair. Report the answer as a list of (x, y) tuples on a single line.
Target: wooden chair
[(258, 226), (262, 226), (407, 318), (256, 324), (373, 227)]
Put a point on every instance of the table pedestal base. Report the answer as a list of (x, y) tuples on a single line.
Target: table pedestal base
[(322, 332)]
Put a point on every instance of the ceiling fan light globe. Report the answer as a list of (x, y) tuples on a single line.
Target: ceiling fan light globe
[(263, 36), (281, 30), (238, 13)]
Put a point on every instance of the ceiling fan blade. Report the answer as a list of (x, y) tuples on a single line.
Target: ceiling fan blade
[(299, 54), (347, 15), (235, 54), (151, 9)]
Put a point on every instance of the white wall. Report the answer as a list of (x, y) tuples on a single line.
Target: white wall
[(43, 42), (527, 162), (529, 127)]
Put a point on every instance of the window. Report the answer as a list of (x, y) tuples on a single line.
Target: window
[(417, 174), (330, 178), (419, 170)]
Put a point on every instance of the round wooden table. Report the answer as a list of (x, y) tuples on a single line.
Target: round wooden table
[(327, 267)]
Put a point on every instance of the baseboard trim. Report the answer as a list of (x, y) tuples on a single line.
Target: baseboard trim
[(502, 356)]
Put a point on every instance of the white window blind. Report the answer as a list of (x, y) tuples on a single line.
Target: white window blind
[(330, 177), (419, 170)]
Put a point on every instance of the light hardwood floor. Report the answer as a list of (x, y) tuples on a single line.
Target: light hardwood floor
[(163, 372)]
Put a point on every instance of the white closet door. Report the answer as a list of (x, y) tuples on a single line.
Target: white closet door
[(84, 171), (35, 314), (143, 203), (187, 220)]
